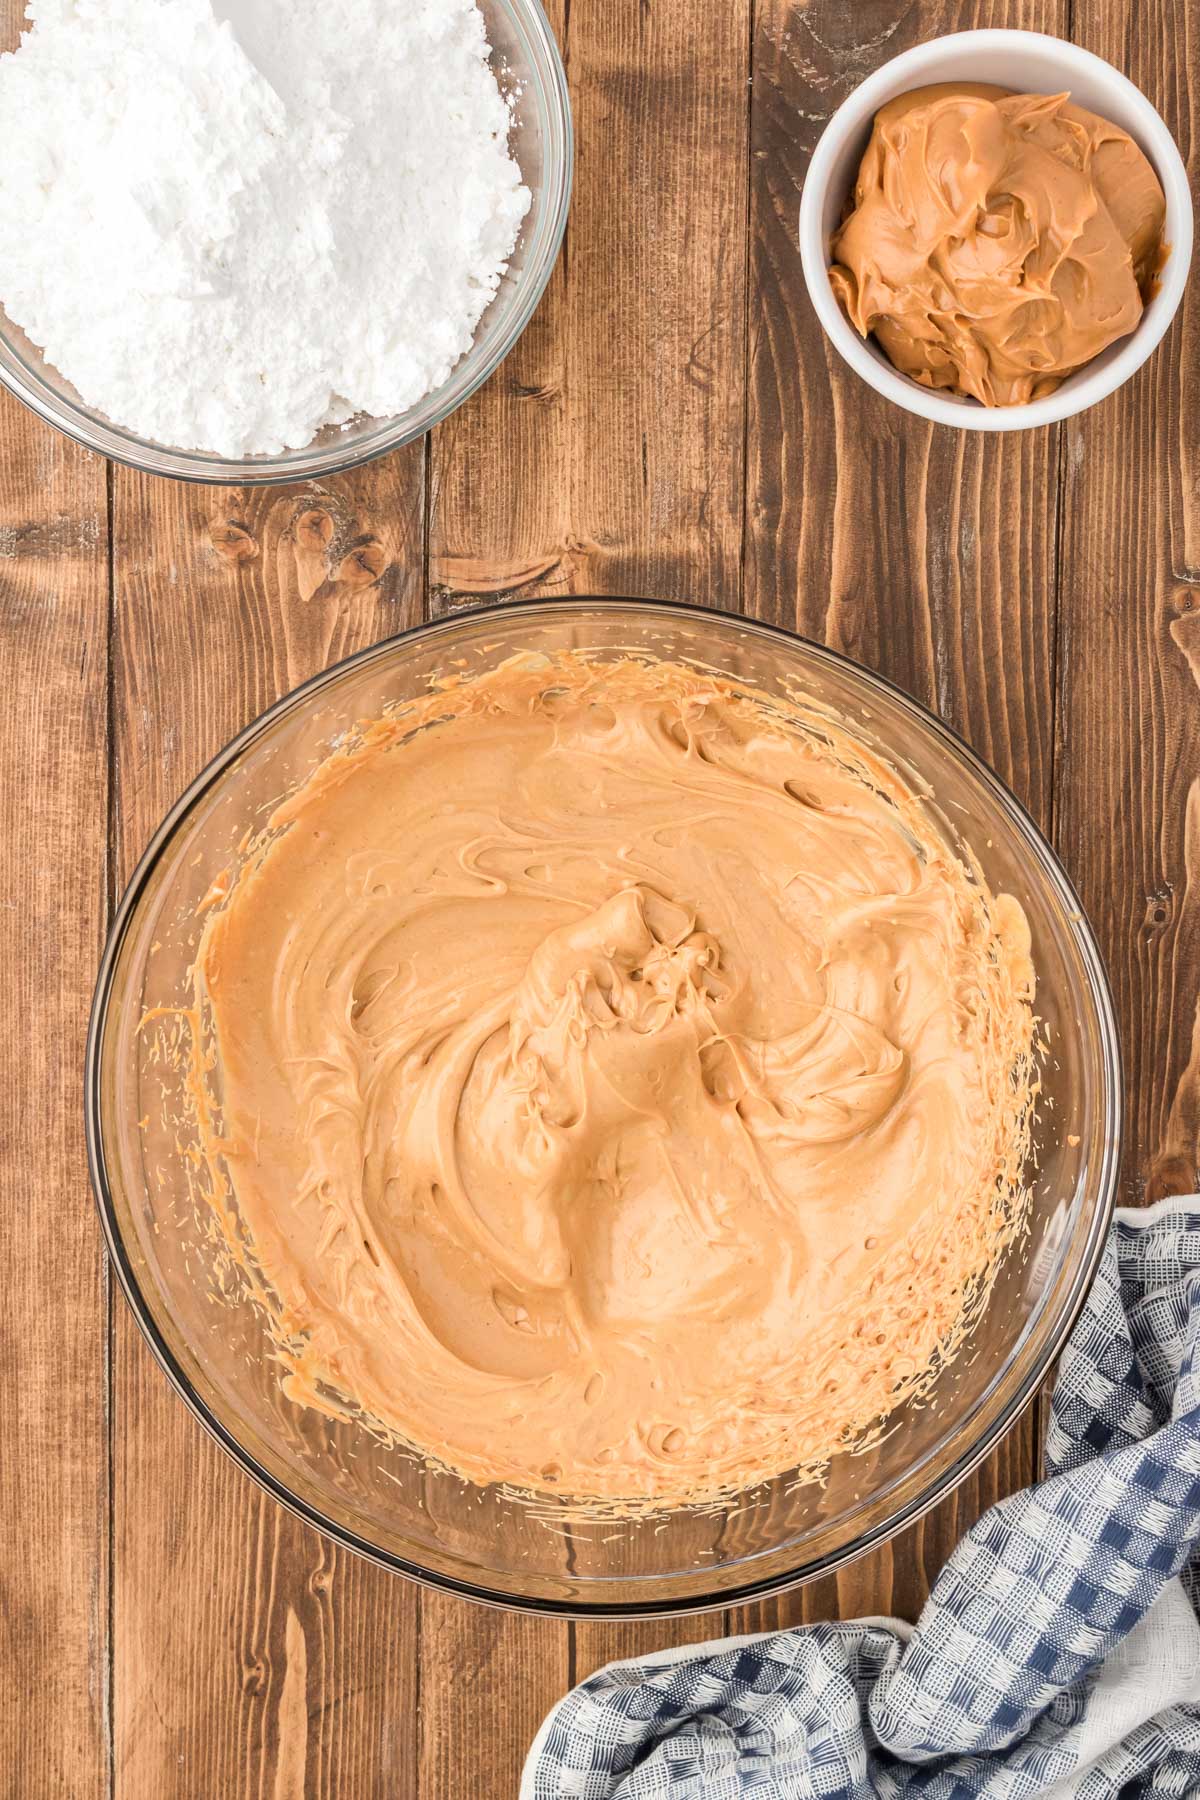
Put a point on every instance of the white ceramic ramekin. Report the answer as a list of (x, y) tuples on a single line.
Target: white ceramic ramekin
[(1029, 63)]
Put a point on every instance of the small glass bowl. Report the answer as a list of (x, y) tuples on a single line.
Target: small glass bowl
[(488, 1542), (529, 68)]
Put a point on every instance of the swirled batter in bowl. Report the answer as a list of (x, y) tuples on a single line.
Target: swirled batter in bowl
[(623, 1087)]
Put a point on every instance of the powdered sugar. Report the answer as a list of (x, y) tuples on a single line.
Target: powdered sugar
[(229, 222)]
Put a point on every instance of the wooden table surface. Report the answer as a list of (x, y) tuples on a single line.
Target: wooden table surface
[(673, 423)]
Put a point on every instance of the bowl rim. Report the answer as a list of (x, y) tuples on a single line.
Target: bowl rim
[(931, 1491), (202, 468), (1090, 385)]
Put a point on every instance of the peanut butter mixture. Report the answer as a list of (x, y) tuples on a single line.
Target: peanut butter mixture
[(623, 1089), (997, 241)]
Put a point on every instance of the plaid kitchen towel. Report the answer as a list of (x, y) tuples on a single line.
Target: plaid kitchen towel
[(1059, 1652)]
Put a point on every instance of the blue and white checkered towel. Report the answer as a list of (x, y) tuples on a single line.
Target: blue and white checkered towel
[(1059, 1653)]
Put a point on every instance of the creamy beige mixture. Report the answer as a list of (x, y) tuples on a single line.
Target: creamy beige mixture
[(624, 1092), (997, 241)]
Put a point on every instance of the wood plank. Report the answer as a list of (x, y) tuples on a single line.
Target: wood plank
[(605, 457), (487, 1680), (54, 1328), (598, 1644), (950, 589), (250, 1657), (1129, 706)]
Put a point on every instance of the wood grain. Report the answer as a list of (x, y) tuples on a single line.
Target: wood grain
[(53, 1325), (249, 1657), (606, 455), (487, 1680), (1129, 705), (673, 423), (925, 553), (54, 618)]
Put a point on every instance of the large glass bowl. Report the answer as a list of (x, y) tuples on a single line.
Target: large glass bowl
[(482, 1541), (529, 68)]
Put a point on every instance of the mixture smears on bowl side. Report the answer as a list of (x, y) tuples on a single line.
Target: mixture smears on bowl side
[(624, 1090)]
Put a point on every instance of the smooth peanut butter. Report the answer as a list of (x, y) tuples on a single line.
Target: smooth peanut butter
[(623, 1089), (997, 241)]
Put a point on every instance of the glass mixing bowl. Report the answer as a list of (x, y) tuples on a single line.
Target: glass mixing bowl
[(486, 1542), (529, 68)]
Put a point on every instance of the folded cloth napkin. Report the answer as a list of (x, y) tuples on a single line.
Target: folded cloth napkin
[(1059, 1652)]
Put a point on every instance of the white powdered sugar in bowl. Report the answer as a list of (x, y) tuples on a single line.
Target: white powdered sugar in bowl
[(231, 222)]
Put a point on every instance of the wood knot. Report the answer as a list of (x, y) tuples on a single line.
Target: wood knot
[(1159, 908), (254, 1676), (314, 530), (457, 581), (233, 540), (535, 390), (362, 566)]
